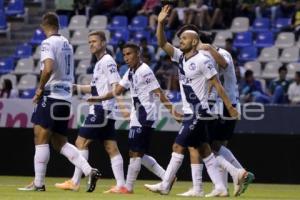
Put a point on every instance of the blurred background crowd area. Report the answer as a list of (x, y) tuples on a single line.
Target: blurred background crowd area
[(261, 35)]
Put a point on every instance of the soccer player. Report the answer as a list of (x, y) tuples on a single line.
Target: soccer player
[(224, 126), (143, 86), (51, 115), (99, 124), (196, 70)]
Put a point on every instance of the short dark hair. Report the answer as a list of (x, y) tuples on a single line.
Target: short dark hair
[(282, 68), (191, 27), (132, 46), (229, 40), (205, 37), (100, 34), (248, 73), (50, 19)]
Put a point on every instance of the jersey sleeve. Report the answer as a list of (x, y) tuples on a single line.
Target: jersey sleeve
[(149, 81), (176, 55), (124, 82), (111, 71), (47, 51), (208, 68), (226, 57)]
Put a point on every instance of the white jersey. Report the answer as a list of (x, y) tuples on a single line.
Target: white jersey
[(58, 49), (193, 78), (105, 74), (141, 83)]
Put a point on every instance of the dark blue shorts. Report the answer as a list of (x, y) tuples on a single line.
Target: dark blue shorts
[(98, 127), (224, 128), (139, 138), (193, 132), (52, 114)]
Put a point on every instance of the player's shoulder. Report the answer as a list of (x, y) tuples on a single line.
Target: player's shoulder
[(204, 56), (107, 58), (144, 69)]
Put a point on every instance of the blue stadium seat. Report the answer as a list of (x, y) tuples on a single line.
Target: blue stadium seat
[(63, 21), (119, 35), (138, 35), (38, 37), (280, 23), (247, 54), (23, 51), (174, 96), (3, 23), (261, 24), (264, 39), (118, 22), (138, 23), (6, 65), (243, 39), (1, 4), (15, 7), (27, 94)]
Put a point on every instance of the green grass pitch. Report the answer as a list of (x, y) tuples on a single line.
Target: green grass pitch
[(9, 185)]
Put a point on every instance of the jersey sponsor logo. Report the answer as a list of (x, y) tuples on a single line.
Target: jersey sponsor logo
[(192, 66), (66, 47)]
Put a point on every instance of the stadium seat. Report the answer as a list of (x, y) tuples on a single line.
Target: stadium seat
[(269, 54), (82, 66), (38, 37), (84, 79), (119, 35), (261, 24), (1, 4), (118, 22), (139, 22), (271, 70), (77, 22), (98, 22), (27, 81), (264, 39), (285, 39), (82, 52), (292, 68), (280, 23), (243, 39), (289, 54), (107, 34), (27, 94), (24, 66), (6, 65), (80, 37), (37, 53), (254, 66), (240, 24), (23, 51), (11, 77), (63, 21), (138, 35), (4, 26), (37, 69), (220, 39), (65, 32), (247, 54), (15, 7)]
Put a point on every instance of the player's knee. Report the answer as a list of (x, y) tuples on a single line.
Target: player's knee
[(82, 143), (178, 148), (111, 149), (41, 135), (134, 154)]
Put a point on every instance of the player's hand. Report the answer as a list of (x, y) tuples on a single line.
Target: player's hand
[(38, 95), (234, 113), (94, 100), (164, 14), (205, 47)]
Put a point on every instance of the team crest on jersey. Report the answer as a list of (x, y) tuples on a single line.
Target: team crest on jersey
[(192, 66), (66, 47), (93, 119), (112, 68), (139, 130)]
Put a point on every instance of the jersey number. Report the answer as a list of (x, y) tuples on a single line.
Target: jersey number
[(68, 64)]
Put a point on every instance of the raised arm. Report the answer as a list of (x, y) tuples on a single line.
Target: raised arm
[(164, 100), (45, 76), (214, 81), (220, 60), (160, 33)]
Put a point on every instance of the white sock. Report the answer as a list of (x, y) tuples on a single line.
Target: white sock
[(134, 168), (75, 158), (118, 170), (197, 177), (41, 158), (224, 176), (232, 170), (78, 172), (213, 171), (151, 164), (228, 155), (172, 169)]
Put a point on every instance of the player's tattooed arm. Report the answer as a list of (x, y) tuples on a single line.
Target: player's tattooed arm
[(82, 89), (220, 60), (117, 90)]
